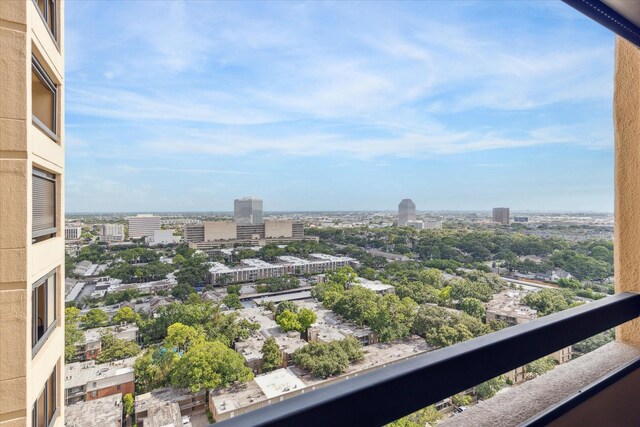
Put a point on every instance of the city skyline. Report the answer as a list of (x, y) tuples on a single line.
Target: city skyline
[(436, 100)]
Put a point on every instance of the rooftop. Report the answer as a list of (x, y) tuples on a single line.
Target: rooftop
[(507, 303), (278, 382), (106, 411), (81, 373)]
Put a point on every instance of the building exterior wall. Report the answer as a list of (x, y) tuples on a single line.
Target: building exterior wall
[(406, 212), (278, 229), (626, 119), (24, 146), (143, 226), (72, 233), (194, 233), (501, 215), (247, 210), (219, 230), (112, 232), (124, 388)]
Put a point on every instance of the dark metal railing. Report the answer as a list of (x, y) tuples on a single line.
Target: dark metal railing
[(386, 394)]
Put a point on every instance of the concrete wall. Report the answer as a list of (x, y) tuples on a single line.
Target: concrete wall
[(23, 146), (274, 229), (219, 230), (626, 116)]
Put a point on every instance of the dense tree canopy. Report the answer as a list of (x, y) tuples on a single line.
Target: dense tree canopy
[(328, 359)]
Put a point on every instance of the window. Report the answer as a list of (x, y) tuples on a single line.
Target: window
[(47, 10), (44, 205), (43, 303), (43, 100), (45, 408)]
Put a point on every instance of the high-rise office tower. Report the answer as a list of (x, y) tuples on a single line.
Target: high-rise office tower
[(31, 213), (143, 225), (501, 215), (406, 212), (248, 210)]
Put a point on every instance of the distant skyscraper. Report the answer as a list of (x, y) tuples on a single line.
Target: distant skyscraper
[(501, 215), (248, 210), (406, 212)]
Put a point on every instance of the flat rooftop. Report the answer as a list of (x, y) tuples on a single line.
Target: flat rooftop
[(81, 373), (507, 303), (106, 411), (374, 285), (278, 382)]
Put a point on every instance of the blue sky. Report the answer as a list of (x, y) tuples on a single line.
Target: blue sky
[(185, 106)]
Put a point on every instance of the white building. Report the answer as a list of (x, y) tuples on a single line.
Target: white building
[(162, 237), (432, 224), (112, 232), (72, 233), (417, 224), (143, 225)]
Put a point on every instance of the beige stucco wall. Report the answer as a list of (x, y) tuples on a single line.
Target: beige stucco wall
[(22, 145), (219, 230), (626, 114), (278, 228)]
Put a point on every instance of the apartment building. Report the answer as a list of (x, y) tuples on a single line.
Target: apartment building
[(91, 346), (86, 381), (166, 406), (72, 233), (143, 225), (111, 232), (32, 212), (256, 269)]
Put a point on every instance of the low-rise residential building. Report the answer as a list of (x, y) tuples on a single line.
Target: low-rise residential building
[(86, 381), (506, 307), (91, 347), (166, 406), (251, 347), (375, 285), (331, 327), (104, 412), (252, 269), (554, 275)]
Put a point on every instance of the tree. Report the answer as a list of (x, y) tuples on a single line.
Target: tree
[(72, 334), (209, 365), (473, 307), (271, 355), (125, 315), (178, 260), (286, 305), (489, 388), (94, 318), (547, 301), (392, 318), (461, 399), (464, 288), (327, 359), (234, 289), (421, 418), (153, 368), (594, 342), (182, 291), (116, 349), (182, 337), (129, 404), (540, 366), (306, 318), (232, 301), (288, 321)]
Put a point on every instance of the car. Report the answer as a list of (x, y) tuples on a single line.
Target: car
[(186, 422), (460, 409)]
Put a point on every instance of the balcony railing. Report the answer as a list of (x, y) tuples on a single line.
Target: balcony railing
[(384, 395)]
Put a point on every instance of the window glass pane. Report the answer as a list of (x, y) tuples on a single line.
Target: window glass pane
[(41, 315), (41, 6), (51, 300), (43, 101), (51, 396), (40, 409), (43, 200), (34, 316), (51, 15)]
